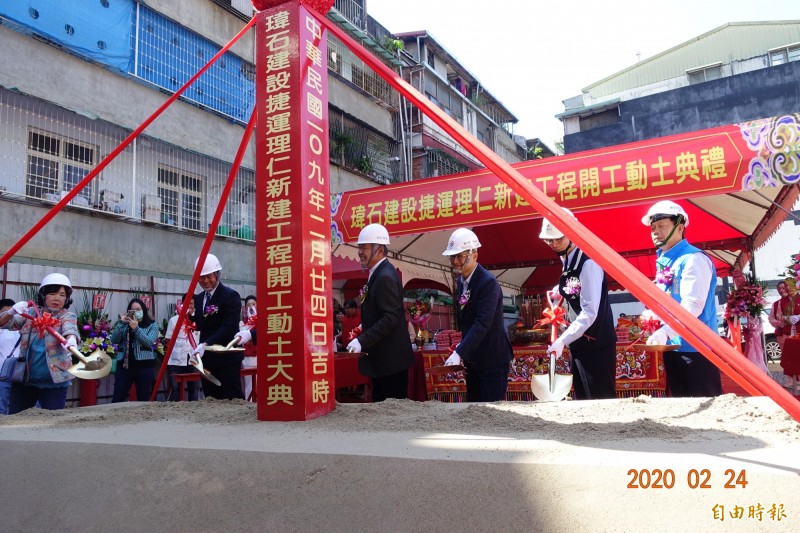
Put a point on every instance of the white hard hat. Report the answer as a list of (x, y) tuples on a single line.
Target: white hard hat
[(461, 240), (549, 231), (56, 279), (373, 234), (664, 209), (212, 264)]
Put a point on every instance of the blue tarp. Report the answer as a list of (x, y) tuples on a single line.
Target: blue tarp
[(97, 29)]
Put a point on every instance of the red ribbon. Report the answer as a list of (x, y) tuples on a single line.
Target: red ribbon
[(554, 316), (648, 326), (43, 322)]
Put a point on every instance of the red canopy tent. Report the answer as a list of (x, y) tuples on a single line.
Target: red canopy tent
[(731, 181)]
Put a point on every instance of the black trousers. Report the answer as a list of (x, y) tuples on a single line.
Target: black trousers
[(392, 386), (486, 385), (226, 368), (594, 372), (690, 374)]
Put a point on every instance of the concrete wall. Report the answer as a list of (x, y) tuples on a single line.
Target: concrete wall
[(108, 241), (360, 106), (757, 94)]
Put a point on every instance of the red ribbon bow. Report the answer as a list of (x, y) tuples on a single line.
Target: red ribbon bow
[(43, 322), (554, 316), (648, 326)]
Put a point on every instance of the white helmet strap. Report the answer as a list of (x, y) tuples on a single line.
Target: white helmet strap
[(678, 220), (566, 250)]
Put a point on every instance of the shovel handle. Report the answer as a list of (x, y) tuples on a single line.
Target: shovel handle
[(78, 354), (231, 344), (60, 338)]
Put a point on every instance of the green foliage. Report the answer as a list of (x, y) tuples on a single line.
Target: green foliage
[(393, 45), (364, 164), (535, 152)]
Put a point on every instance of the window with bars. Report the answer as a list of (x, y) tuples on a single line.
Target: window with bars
[(181, 196), (779, 56), (442, 164), (444, 96), (56, 164), (343, 62)]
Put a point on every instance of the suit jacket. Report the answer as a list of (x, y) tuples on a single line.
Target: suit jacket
[(219, 327), (383, 321), (484, 342)]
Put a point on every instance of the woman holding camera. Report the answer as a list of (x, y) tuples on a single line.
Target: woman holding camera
[(135, 335)]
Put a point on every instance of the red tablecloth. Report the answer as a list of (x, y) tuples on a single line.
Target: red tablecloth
[(638, 372), (790, 356), (345, 370), (346, 374)]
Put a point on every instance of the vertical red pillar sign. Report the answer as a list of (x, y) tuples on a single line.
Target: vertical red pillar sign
[(293, 236)]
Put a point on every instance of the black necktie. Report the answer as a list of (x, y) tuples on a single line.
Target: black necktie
[(208, 299)]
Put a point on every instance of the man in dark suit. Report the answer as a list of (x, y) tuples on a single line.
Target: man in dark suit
[(384, 337), (216, 317), (484, 350)]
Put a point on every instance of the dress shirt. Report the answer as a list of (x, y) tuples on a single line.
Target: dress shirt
[(591, 279)]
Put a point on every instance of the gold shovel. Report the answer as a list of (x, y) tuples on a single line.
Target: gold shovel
[(97, 365), (205, 373)]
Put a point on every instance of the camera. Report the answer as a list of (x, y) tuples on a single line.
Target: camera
[(131, 313)]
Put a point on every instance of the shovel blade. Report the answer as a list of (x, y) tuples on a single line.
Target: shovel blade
[(551, 391), (96, 366)]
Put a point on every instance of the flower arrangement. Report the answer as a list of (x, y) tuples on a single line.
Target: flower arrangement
[(793, 270), (664, 277), (210, 310), (93, 323), (573, 286), (160, 346), (362, 294), (419, 313), (97, 342), (463, 299), (746, 300)]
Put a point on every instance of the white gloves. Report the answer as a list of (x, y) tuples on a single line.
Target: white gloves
[(70, 342), (648, 315), (658, 337), (197, 353), (794, 319), (244, 337), (453, 360), (557, 347), (18, 308), (354, 346)]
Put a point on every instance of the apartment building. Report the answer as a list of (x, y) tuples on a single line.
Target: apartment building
[(77, 78)]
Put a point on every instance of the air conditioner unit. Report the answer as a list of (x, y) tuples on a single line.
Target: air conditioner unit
[(151, 208)]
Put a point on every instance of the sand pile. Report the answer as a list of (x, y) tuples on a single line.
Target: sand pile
[(406, 466)]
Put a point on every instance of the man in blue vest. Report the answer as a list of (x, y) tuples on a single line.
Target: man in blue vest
[(590, 335), (687, 274)]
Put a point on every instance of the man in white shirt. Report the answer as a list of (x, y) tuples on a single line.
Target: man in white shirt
[(178, 362), (9, 345), (590, 336)]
